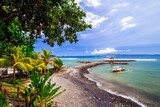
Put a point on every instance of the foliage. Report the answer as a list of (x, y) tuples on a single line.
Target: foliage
[(17, 83), (58, 20), (57, 63), (36, 59), (46, 55), (17, 60), (3, 102), (12, 36), (41, 90)]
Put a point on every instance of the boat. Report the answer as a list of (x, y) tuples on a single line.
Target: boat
[(117, 69)]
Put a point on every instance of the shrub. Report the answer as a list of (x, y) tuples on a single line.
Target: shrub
[(41, 90), (58, 62), (3, 102)]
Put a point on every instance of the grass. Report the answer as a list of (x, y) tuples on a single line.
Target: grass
[(14, 89)]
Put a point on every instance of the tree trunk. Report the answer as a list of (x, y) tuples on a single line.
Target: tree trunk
[(44, 71), (20, 74), (14, 75)]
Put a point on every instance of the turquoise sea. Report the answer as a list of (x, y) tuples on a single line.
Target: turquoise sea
[(142, 75)]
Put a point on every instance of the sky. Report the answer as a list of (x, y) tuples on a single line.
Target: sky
[(118, 27)]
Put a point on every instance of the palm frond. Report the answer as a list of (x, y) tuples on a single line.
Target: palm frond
[(42, 65), (26, 60), (29, 67), (20, 65), (55, 65)]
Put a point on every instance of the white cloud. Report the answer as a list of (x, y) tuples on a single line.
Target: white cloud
[(78, 1), (87, 51), (113, 10), (84, 35), (105, 51), (93, 19), (103, 30), (128, 50), (125, 24), (93, 3), (126, 19), (121, 5), (128, 26)]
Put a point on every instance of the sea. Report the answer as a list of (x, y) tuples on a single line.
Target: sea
[(140, 82)]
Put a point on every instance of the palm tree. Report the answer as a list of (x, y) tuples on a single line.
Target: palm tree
[(36, 59), (38, 63), (17, 60), (57, 63), (46, 55)]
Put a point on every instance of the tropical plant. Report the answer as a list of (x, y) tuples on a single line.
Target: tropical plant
[(16, 38), (59, 20), (46, 56), (57, 63), (36, 59), (17, 60), (41, 90), (3, 102)]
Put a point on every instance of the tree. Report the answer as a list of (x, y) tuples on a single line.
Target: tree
[(46, 55), (57, 63), (41, 90), (12, 36), (58, 20), (17, 60), (36, 59)]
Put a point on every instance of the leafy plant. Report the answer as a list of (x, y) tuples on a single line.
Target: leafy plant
[(17, 83), (16, 38), (3, 102), (41, 90), (57, 63), (17, 60), (59, 20)]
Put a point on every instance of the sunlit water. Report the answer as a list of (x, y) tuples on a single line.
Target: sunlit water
[(143, 75)]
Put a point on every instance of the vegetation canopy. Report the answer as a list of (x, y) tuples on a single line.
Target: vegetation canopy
[(58, 20)]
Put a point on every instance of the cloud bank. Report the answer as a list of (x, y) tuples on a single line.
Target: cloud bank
[(125, 24), (94, 19), (104, 51)]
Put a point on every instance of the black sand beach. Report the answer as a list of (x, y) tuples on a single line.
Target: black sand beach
[(82, 92)]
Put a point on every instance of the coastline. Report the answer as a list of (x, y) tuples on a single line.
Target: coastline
[(80, 91)]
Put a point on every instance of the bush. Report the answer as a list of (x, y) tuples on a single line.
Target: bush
[(41, 90), (58, 62), (3, 102)]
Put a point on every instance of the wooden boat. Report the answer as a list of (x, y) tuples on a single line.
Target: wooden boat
[(117, 69)]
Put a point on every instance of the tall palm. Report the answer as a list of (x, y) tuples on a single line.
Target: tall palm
[(38, 63), (17, 60), (46, 55), (35, 58)]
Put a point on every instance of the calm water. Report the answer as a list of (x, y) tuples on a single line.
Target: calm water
[(144, 74)]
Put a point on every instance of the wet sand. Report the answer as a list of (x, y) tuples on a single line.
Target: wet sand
[(82, 92)]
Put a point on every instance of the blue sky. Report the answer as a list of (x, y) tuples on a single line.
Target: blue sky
[(119, 26)]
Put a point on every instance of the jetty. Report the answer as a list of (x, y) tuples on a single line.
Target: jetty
[(111, 61)]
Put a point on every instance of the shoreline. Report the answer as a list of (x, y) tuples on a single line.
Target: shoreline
[(91, 94)]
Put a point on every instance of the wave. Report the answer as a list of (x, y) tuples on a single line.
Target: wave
[(116, 93), (68, 58), (136, 59), (127, 97)]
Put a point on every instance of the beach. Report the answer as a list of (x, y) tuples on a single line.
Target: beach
[(82, 92)]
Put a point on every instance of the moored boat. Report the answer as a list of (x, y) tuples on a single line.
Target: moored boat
[(117, 69)]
